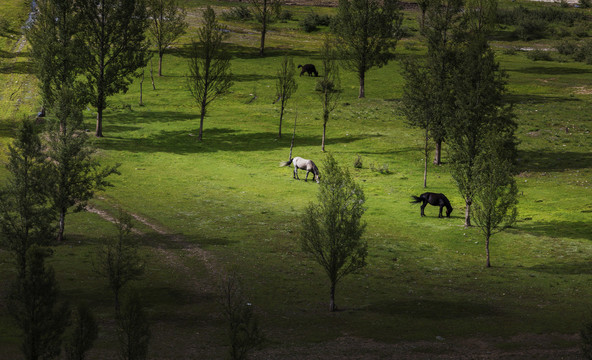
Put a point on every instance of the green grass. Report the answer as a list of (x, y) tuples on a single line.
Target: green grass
[(425, 276)]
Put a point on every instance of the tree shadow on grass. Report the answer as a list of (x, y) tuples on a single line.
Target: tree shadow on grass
[(435, 309), (18, 67), (559, 229), (553, 161), (249, 52), (215, 140), (567, 268), (551, 70), (538, 99)]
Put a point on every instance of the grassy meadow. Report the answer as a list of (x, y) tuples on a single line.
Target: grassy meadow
[(204, 208)]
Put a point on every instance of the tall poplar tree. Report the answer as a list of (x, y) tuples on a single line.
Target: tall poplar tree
[(329, 86), (167, 24), (26, 217), (57, 50), (266, 11), (332, 228), (115, 41), (285, 86), (209, 65), (367, 32)]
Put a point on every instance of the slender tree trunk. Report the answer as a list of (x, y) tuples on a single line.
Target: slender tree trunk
[(332, 306), (201, 121), (425, 159), (263, 27), (468, 212), (160, 55), (152, 75), (293, 137), (62, 225), (324, 133), (99, 130), (487, 248), (281, 117), (362, 76), (141, 84), (438, 153)]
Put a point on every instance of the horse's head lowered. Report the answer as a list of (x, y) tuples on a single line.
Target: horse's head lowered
[(449, 210)]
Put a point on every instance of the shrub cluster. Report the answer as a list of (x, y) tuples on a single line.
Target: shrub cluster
[(237, 13), (539, 55), (577, 50), (312, 21), (532, 24)]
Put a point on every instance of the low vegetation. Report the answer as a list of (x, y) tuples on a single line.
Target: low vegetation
[(200, 208)]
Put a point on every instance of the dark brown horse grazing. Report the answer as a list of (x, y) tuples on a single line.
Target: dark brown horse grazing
[(433, 199), (308, 68)]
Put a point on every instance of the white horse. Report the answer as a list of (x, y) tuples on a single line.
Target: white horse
[(303, 164)]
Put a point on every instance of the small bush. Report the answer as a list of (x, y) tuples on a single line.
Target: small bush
[(383, 169), (312, 21), (539, 55), (286, 15), (585, 3), (581, 30), (584, 52), (237, 13), (510, 51), (358, 162), (567, 47), (531, 29)]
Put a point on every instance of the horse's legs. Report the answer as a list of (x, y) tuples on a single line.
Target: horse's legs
[(423, 207), (440, 214), (296, 173), (306, 178)]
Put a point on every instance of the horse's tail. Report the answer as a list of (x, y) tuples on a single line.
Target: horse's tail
[(285, 163), (416, 199)]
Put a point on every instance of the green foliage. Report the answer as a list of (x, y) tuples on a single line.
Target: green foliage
[(33, 303), (115, 41), (367, 31), (331, 230), (82, 334), (358, 162), (548, 14), (243, 328), (539, 55), (167, 24), (25, 215), (240, 12), (118, 259), (496, 194), (285, 86), (58, 50), (328, 86), (209, 65), (134, 329), (74, 173), (312, 21), (265, 12)]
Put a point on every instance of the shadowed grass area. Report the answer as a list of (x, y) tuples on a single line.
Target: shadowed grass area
[(228, 197)]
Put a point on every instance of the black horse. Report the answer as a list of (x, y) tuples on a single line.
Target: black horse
[(433, 199), (308, 68)]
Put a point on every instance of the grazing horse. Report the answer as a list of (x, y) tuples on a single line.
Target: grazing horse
[(308, 68), (303, 164), (433, 199)]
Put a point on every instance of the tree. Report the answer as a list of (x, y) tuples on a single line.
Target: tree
[(167, 24), (209, 65), (265, 12), (33, 303), (134, 329), (285, 86), (82, 335), (496, 193), (118, 259), (57, 50), (443, 20), (480, 109), (418, 105), (243, 327), (367, 31), (329, 86), (74, 173), (114, 35), (25, 215), (331, 230)]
